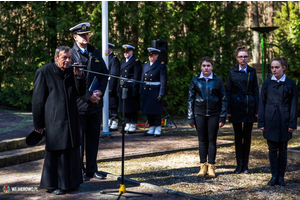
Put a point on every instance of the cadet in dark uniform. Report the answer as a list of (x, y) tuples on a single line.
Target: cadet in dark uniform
[(114, 69), (90, 104), (277, 117), (155, 75), (131, 68)]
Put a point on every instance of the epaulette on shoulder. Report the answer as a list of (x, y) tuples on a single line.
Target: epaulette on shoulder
[(115, 56), (146, 62), (162, 63), (137, 60)]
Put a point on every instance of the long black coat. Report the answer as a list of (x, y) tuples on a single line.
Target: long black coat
[(154, 73), (114, 69), (54, 106), (242, 95), (132, 70), (278, 108), (94, 62)]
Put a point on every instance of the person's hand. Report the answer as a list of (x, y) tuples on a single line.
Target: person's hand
[(40, 131), (159, 98), (262, 128), (77, 72), (256, 115), (291, 130), (192, 125), (228, 115), (221, 124), (95, 96)]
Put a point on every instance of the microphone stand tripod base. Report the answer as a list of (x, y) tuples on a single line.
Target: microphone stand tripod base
[(122, 188)]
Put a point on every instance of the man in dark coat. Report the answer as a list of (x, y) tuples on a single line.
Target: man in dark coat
[(131, 68), (155, 75), (89, 105), (114, 69), (54, 109)]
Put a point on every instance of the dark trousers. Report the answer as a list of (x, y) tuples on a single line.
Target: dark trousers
[(207, 129), (154, 120), (242, 139), (113, 113), (131, 117), (278, 158), (90, 131), (62, 169)]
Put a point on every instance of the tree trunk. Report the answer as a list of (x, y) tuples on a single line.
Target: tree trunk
[(256, 43)]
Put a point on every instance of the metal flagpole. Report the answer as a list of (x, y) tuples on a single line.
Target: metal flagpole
[(105, 112)]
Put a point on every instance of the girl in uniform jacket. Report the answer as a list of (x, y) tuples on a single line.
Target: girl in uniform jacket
[(242, 97), (207, 111), (277, 117)]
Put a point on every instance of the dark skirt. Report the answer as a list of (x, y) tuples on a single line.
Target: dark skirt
[(62, 169)]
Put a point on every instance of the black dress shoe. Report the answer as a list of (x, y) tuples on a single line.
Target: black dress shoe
[(58, 192), (98, 176), (84, 178), (245, 169), (50, 190), (273, 181), (281, 181)]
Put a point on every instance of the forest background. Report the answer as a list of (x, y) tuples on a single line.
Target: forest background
[(30, 32)]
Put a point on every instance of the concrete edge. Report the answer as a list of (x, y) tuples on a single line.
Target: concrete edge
[(150, 186)]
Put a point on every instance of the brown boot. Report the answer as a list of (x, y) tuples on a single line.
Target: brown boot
[(203, 170), (211, 171)]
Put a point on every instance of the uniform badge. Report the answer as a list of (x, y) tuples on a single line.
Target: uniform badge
[(97, 60), (83, 27), (137, 60), (162, 63), (125, 47)]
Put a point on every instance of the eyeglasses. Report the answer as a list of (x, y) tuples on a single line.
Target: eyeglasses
[(243, 57)]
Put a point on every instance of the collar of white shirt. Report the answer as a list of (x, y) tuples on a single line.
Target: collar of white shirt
[(206, 78), (243, 69), (282, 79), (128, 58)]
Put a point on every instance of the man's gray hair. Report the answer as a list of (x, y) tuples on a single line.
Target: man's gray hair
[(66, 49)]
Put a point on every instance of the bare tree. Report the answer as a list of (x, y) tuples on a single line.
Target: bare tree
[(255, 23)]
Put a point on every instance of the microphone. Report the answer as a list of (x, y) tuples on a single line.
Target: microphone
[(78, 66)]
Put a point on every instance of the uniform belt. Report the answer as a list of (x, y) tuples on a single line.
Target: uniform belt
[(152, 83)]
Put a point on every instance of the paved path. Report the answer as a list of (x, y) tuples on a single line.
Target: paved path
[(26, 176)]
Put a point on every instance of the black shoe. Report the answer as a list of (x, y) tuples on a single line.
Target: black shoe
[(273, 181), (156, 135), (58, 192), (245, 168), (50, 190), (84, 178), (97, 175), (281, 181), (239, 166)]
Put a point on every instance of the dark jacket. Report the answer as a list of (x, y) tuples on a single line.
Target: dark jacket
[(206, 98), (114, 69), (54, 106), (95, 63), (242, 95), (132, 70), (278, 108), (157, 72)]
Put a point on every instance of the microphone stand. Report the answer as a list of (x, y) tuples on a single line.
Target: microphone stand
[(122, 188)]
